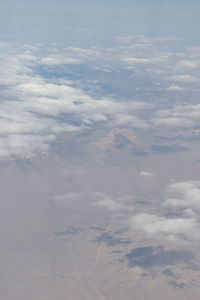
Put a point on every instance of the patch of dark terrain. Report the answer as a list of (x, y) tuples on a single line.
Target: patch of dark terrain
[(148, 257), (143, 203), (121, 231), (169, 272), (122, 142), (180, 285), (109, 240), (97, 228), (117, 252), (140, 153), (69, 231)]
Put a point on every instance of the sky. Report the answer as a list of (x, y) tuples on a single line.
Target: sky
[(48, 20)]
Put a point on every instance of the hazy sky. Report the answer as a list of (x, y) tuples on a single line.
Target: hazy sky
[(48, 20)]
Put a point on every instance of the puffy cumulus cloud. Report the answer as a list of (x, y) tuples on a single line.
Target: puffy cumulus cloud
[(13, 70), (188, 64), (175, 87), (110, 204), (186, 204), (24, 145), (35, 109), (189, 196), (173, 122), (131, 120), (137, 60), (185, 78), (43, 89), (178, 70), (83, 53), (140, 52), (70, 56), (22, 132), (191, 111), (187, 115), (56, 60), (172, 229), (53, 99)]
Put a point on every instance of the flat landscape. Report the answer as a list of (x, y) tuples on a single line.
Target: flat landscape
[(99, 150)]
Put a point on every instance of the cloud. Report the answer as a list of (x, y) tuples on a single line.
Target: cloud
[(84, 53), (188, 64), (59, 60), (35, 110), (69, 56), (189, 192), (186, 115), (110, 204), (173, 122), (175, 88), (184, 78), (172, 229), (140, 60), (24, 145), (146, 40), (131, 120), (146, 174), (35, 103), (184, 228)]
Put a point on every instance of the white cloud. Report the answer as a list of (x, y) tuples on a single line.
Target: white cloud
[(188, 64), (32, 104), (146, 173), (184, 78), (34, 108), (139, 60), (24, 145), (83, 53), (173, 122), (172, 229), (179, 116), (189, 192), (131, 120), (175, 88), (146, 40), (59, 60), (69, 56), (181, 229), (110, 204)]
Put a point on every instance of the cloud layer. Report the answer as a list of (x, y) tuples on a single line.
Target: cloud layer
[(46, 91), (35, 109)]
